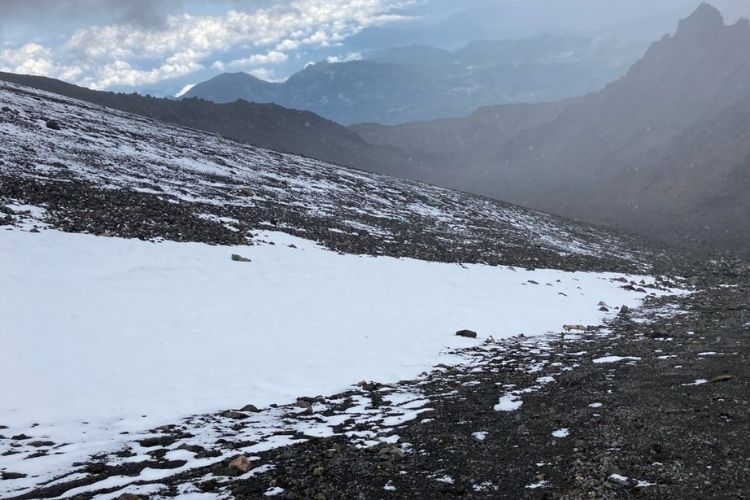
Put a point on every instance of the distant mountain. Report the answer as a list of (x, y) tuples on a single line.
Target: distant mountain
[(665, 150), (266, 125), (461, 143), (423, 83)]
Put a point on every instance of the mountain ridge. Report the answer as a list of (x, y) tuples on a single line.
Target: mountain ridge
[(652, 152), (420, 82)]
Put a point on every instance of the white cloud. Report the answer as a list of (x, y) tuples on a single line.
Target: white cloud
[(264, 74), (32, 59), (351, 56), (122, 73), (129, 56), (288, 45), (35, 59), (273, 57)]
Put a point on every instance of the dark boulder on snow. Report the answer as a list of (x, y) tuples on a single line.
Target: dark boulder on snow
[(234, 415), (466, 333), (240, 258)]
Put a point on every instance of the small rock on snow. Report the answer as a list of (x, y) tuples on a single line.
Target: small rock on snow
[(240, 464)]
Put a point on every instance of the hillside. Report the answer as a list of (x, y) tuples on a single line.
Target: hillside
[(186, 315), (423, 83), (161, 247), (663, 151), (265, 125), (462, 143)]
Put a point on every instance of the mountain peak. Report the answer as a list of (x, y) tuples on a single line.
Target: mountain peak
[(705, 20)]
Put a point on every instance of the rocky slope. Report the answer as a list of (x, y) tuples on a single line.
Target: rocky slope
[(264, 125), (103, 171)]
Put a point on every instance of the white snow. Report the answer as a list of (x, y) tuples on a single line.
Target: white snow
[(537, 485), (619, 478), (596, 405), (699, 381), (615, 359), (561, 433), (509, 402), (170, 329), (187, 88), (107, 335), (483, 486), (480, 436)]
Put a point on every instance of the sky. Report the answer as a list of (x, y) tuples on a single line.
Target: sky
[(163, 46)]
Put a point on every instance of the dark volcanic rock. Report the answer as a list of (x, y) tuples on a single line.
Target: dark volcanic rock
[(466, 333)]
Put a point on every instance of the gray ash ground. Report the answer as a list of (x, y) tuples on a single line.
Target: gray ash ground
[(673, 423)]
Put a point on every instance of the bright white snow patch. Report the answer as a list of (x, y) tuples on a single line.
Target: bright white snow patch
[(699, 381), (537, 485), (561, 433), (107, 335), (187, 88), (595, 405), (445, 479), (509, 402), (480, 436), (615, 359)]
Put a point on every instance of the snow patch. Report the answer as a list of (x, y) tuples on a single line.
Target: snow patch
[(615, 359), (509, 402), (561, 433), (480, 436)]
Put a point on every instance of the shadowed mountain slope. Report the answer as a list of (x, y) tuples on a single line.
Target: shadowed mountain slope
[(664, 151)]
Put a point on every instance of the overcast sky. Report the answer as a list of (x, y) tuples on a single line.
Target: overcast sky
[(161, 46)]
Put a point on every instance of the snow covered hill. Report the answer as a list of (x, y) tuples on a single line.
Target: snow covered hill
[(152, 277), (105, 172)]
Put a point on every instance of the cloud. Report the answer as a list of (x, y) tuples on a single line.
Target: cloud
[(142, 13), (351, 56), (273, 57), (264, 74), (149, 45), (35, 59)]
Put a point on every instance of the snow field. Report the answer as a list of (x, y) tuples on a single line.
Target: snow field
[(104, 335)]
